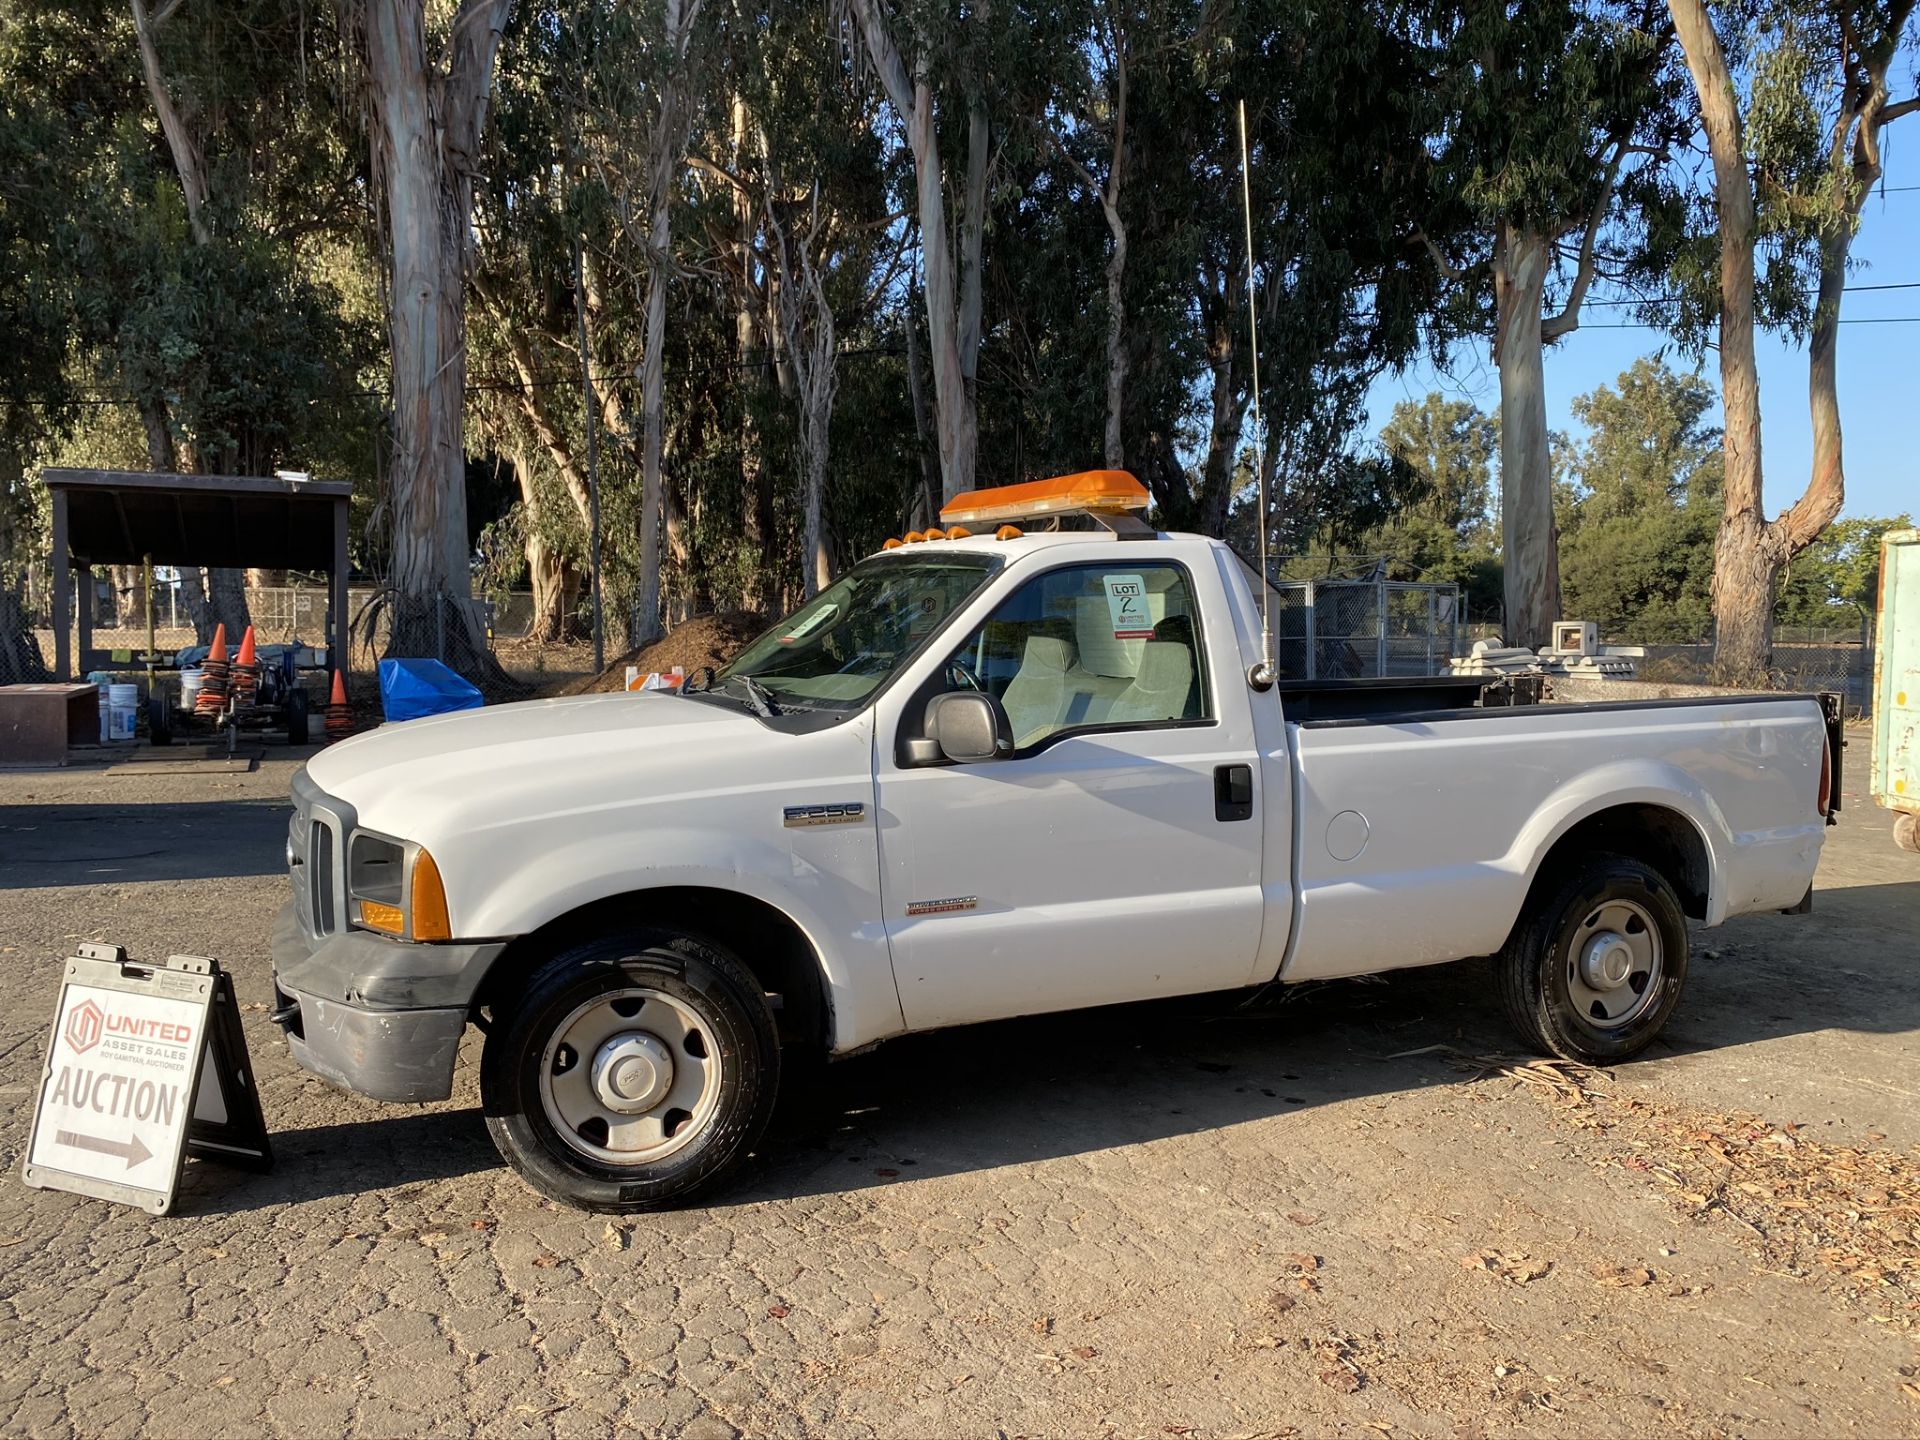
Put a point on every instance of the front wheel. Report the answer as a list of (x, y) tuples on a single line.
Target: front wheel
[(633, 1072), (1596, 965)]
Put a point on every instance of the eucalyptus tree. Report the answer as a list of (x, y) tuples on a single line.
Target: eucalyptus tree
[(1794, 101), (1555, 121), (428, 93), (935, 65), (41, 128), (1337, 127)]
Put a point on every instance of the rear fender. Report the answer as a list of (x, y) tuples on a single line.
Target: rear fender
[(1622, 783)]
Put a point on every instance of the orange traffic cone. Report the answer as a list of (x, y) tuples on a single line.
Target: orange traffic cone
[(246, 671), (339, 718), (213, 687)]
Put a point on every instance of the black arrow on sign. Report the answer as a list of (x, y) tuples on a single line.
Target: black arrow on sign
[(132, 1149)]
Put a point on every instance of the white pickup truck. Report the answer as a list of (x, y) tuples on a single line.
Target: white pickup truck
[(980, 777)]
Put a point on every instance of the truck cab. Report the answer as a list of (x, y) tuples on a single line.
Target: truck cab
[(995, 769)]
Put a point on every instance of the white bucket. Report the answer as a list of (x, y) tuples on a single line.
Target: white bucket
[(190, 683), (123, 705)]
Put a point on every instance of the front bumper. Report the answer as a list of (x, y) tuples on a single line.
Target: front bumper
[(377, 1016)]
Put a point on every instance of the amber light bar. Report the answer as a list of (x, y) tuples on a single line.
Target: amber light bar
[(1091, 491)]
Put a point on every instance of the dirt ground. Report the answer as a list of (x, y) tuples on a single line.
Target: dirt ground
[(1348, 1210)]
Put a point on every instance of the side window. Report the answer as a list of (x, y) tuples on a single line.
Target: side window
[(1090, 647)]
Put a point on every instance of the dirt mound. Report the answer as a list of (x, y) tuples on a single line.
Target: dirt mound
[(703, 640)]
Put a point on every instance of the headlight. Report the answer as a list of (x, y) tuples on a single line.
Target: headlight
[(396, 888)]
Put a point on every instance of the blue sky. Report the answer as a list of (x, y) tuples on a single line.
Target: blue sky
[(1879, 367)]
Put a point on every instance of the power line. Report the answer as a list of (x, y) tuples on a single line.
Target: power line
[(1679, 299), (1860, 320)]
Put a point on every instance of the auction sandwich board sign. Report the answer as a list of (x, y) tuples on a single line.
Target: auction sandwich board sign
[(146, 1063)]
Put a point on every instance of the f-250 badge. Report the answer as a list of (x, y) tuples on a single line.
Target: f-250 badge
[(845, 812)]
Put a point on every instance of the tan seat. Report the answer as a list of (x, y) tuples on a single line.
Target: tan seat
[(1037, 697), (1159, 689)]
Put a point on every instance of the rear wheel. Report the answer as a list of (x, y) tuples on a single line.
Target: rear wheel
[(635, 1071), (1596, 966)]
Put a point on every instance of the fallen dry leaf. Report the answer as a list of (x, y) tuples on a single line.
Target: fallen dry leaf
[(1622, 1277), (1340, 1378), (1302, 1261), (1281, 1302), (1085, 1352), (1303, 1217), (886, 1172), (1043, 1326), (779, 1312), (545, 1262)]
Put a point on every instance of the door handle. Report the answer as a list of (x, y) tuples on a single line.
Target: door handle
[(1233, 792)]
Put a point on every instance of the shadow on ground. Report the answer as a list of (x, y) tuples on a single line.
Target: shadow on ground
[(46, 845), (1022, 1091)]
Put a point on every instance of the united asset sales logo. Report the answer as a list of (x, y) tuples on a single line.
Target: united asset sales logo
[(84, 1024)]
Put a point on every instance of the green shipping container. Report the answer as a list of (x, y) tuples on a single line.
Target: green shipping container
[(1896, 683)]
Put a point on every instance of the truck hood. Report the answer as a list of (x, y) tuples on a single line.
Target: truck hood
[(474, 768)]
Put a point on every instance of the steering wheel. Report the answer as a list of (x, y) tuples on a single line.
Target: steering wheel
[(961, 674)]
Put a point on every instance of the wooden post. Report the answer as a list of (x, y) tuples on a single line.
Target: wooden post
[(62, 591), (85, 623), (337, 585)]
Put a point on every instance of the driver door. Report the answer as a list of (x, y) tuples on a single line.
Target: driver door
[(1098, 863)]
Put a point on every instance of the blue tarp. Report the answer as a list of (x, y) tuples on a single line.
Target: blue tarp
[(410, 689)]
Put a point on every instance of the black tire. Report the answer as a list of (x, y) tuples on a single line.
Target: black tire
[(690, 975), (1540, 966), (297, 711)]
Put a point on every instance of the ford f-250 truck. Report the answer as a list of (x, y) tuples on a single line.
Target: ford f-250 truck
[(981, 776)]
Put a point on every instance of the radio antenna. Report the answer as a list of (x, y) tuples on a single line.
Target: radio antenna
[(1268, 670)]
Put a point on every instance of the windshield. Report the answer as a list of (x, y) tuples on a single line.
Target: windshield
[(845, 643)]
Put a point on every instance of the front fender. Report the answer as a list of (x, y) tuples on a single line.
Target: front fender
[(829, 895)]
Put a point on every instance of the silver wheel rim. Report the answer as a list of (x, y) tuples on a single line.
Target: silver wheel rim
[(1614, 966), (630, 1077)]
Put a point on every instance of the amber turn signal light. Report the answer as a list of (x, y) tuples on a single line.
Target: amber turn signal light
[(429, 901)]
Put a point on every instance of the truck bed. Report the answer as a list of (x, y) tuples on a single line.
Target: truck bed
[(1418, 832)]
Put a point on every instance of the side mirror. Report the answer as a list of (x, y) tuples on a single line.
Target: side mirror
[(969, 727)]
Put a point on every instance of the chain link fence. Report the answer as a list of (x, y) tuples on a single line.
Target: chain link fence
[(1364, 629), (279, 613), (1846, 669)]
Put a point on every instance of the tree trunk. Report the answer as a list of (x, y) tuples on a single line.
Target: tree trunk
[(1115, 450), (426, 131), (664, 154), (1532, 558), (21, 662), (1749, 552), (953, 301), (924, 508), (188, 161), (1228, 407), (754, 369), (806, 323), (547, 574)]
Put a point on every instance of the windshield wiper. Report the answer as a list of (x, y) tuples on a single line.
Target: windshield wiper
[(757, 695)]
